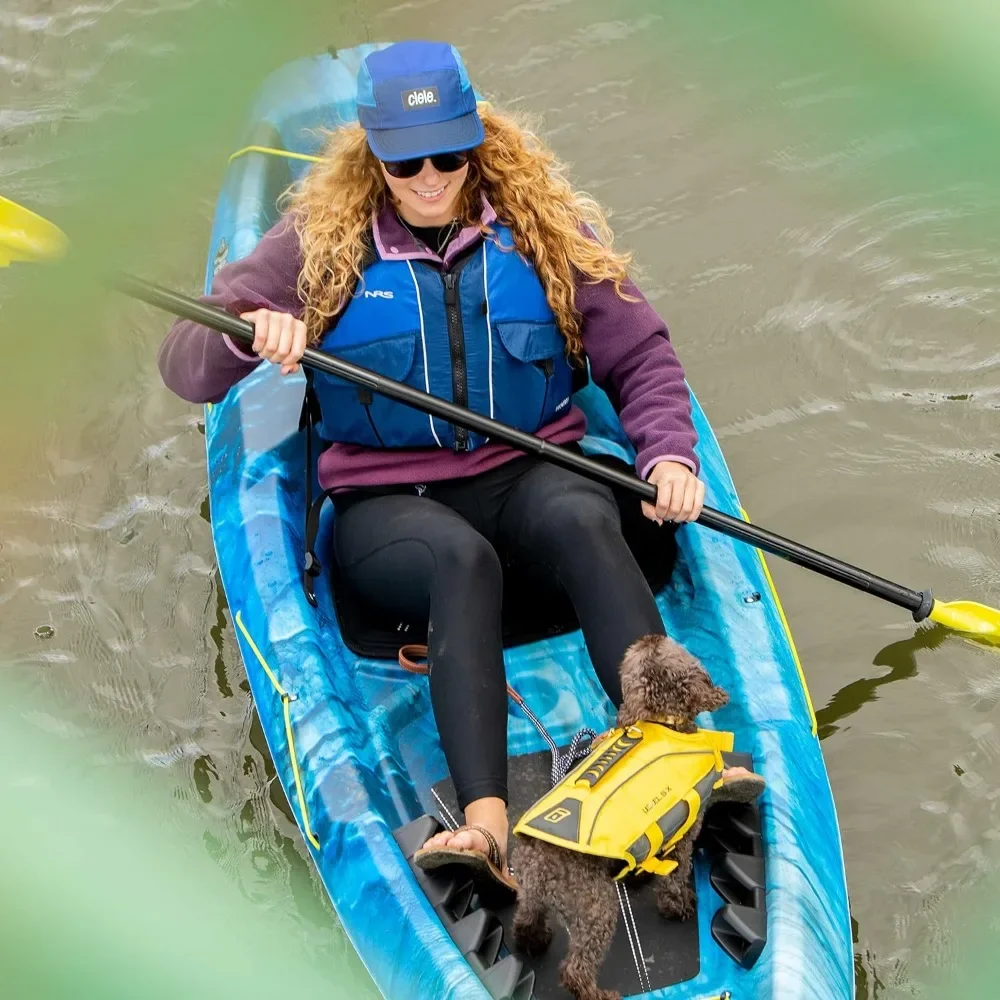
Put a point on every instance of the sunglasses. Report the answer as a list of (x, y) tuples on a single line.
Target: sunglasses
[(444, 163)]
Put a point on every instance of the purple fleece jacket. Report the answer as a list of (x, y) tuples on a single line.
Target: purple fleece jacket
[(627, 344)]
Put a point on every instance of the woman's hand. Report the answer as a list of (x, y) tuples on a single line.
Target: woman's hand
[(680, 494), (278, 337)]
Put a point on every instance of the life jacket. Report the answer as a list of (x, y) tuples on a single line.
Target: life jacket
[(633, 797), (479, 333)]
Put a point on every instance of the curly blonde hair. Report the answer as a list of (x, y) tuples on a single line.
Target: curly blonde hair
[(519, 175)]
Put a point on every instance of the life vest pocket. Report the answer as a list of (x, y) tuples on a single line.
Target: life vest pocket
[(531, 341), (357, 415), (531, 379)]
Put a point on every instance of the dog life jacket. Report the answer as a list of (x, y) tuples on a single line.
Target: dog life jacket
[(633, 797), (480, 334)]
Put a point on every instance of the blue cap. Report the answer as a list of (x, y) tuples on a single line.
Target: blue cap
[(415, 100)]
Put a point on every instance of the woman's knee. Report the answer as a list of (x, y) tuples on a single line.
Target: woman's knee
[(403, 549), (467, 556), (583, 513)]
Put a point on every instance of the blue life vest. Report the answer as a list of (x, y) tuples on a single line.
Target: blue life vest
[(479, 334)]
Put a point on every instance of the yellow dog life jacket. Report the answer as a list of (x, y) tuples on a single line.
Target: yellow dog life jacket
[(633, 797)]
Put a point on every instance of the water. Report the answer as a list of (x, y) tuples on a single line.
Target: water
[(839, 332)]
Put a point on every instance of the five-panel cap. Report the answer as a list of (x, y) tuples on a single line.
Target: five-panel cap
[(415, 100)]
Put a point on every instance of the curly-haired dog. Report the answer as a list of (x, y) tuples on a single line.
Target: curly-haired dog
[(660, 682)]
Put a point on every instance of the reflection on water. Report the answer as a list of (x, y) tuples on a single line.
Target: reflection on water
[(901, 659)]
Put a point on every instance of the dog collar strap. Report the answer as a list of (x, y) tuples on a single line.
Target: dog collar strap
[(672, 721)]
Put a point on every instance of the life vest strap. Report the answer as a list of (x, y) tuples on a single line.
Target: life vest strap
[(309, 418), (655, 866)]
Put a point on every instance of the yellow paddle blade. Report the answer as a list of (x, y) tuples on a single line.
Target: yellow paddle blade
[(27, 236), (968, 616)]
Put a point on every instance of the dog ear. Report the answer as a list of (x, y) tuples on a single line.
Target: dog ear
[(636, 671), (709, 697)]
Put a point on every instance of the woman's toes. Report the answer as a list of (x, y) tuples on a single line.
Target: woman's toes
[(462, 840), (439, 839), (470, 840)]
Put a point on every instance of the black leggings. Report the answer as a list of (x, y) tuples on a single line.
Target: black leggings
[(434, 556)]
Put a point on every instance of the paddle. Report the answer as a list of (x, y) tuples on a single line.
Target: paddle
[(26, 236), (963, 616)]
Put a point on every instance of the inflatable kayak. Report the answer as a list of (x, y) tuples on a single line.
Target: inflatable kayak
[(352, 734)]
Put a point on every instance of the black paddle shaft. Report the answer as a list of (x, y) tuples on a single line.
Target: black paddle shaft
[(915, 601)]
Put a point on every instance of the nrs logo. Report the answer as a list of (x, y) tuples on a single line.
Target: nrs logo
[(422, 97), (377, 294), (557, 815)]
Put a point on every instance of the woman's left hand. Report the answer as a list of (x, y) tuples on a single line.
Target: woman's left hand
[(680, 494)]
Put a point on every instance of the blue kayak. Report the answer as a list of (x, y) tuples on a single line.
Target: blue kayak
[(353, 737)]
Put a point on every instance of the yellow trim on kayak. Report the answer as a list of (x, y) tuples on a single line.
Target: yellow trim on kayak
[(788, 633), (270, 151), (286, 700)]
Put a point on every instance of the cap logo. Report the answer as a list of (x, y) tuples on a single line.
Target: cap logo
[(422, 97)]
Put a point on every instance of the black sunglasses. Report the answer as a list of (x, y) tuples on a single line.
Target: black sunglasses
[(444, 163)]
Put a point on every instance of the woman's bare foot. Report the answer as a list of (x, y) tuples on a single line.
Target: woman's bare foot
[(490, 813), (482, 852)]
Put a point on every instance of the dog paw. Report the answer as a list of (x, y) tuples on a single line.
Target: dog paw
[(585, 989), (682, 904), (534, 945), (533, 939)]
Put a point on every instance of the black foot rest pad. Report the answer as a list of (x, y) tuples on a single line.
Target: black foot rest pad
[(742, 932), (731, 836), (477, 933)]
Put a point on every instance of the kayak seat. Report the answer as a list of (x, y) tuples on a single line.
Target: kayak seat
[(534, 608)]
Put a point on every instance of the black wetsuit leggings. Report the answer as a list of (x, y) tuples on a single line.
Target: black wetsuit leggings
[(437, 557)]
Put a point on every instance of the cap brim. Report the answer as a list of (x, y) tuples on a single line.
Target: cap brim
[(393, 144)]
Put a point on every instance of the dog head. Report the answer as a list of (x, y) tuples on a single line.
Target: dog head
[(660, 678)]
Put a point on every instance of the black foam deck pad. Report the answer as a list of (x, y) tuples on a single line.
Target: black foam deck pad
[(668, 950)]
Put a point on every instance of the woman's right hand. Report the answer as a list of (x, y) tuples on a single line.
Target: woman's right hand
[(278, 337)]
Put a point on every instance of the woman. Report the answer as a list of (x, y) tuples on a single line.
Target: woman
[(446, 249)]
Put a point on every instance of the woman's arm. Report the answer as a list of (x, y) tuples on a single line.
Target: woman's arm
[(201, 365), (631, 357)]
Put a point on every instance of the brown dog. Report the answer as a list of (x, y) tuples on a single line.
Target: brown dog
[(660, 680)]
